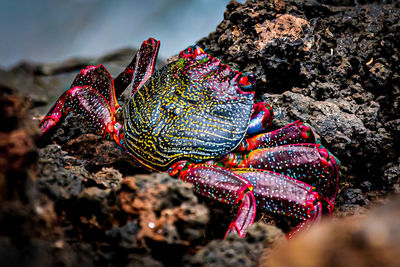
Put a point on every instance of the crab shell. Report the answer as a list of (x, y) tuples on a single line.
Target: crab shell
[(192, 108)]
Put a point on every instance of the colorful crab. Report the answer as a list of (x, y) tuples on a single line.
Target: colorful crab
[(196, 118)]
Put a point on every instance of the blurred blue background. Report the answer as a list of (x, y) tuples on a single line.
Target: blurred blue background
[(54, 30)]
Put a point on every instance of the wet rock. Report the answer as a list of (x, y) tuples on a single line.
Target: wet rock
[(40, 253), (130, 216), (380, 73), (346, 210), (60, 176), (18, 157), (28, 220)]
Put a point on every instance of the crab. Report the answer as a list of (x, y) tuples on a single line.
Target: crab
[(197, 119)]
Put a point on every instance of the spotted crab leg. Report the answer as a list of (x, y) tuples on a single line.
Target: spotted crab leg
[(305, 162), (223, 186), (280, 194), (293, 133), (140, 69)]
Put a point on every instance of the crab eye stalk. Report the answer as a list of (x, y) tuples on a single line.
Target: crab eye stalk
[(246, 82)]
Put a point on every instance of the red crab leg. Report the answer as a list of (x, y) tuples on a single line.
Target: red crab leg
[(221, 185), (140, 69), (292, 133), (305, 162), (280, 194)]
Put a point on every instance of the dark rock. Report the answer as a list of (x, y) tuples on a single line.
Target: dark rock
[(98, 153), (234, 251), (355, 196), (391, 173), (368, 240)]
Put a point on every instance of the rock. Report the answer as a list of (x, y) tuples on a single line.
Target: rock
[(128, 215), (98, 153), (28, 220), (234, 251), (355, 196), (371, 240), (163, 203)]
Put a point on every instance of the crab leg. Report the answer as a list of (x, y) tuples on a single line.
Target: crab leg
[(91, 97), (280, 194), (292, 133), (100, 80), (223, 186), (305, 162), (140, 69), (92, 109)]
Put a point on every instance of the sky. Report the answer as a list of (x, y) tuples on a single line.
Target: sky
[(54, 30)]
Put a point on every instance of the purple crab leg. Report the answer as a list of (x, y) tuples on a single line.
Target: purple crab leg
[(140, 69), (280, 194), (223, 186), (292, 133), (305, 162)]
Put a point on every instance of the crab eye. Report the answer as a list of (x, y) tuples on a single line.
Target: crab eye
[(198, 51), (246, 82)]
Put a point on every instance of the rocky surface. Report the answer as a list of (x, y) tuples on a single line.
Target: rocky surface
[(369, 240), (81, 200)]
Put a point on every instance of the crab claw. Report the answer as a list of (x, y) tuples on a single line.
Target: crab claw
[(140, 69), (48, 122), (261, 118), (91, 97), (101, 81)]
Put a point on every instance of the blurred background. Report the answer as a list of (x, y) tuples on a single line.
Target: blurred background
[(54, 30)]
